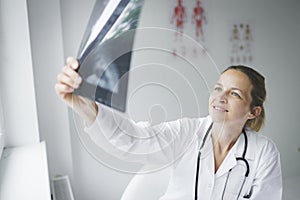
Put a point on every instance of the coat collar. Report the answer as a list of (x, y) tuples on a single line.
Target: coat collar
[(236, 151), (250, 153)]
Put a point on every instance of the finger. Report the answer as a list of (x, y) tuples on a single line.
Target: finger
[(62, 89), (66, 97), (72, 62), (73, 75), (70, 82)]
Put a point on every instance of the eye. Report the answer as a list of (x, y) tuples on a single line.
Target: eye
[(235, 94), (217, 88)]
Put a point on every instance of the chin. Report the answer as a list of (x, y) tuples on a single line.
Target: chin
[(218, 117), (218, 120)]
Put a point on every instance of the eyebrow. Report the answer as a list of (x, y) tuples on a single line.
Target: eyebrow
[(233, 88)]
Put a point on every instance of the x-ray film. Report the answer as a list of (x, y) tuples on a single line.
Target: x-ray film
[(106, 50)]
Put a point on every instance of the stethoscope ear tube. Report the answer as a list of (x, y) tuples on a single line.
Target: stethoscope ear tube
[(246, 163), (197, 174), (198, 160), (244, 154)]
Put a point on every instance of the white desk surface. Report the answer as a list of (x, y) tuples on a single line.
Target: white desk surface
[(24, 173)]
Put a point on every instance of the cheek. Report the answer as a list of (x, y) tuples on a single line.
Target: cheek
[(209, 101), (244, 109), (211, 97)]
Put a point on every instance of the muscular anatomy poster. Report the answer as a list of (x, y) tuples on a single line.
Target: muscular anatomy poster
[(190, 20)]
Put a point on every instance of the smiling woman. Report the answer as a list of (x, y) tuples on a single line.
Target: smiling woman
[(240, 90), (234, 162), (258, 95)]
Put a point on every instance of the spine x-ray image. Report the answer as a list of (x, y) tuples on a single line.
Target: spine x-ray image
[(105, 52)]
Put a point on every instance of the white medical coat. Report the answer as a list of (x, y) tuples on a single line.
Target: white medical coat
[(178, 143)]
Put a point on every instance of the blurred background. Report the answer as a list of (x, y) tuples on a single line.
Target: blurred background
[(37, 36)]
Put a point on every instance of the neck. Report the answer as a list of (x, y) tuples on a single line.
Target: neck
[(224, 137)]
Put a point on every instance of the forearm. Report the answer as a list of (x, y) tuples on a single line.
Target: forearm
[(132, 141), (85, 108)]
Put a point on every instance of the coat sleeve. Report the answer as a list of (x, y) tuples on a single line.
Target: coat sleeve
[(140, 142), (268, 179)]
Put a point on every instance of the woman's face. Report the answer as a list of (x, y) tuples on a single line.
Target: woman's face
[(231, 97)]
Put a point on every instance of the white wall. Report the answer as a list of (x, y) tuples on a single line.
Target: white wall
[(16, 75), (277, 48), (47, 60), (92, 179)]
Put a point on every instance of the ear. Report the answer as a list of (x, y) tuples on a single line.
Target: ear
[(255, 112)]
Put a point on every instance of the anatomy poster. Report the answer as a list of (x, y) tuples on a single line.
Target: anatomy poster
[(241, 42), (189, 19)]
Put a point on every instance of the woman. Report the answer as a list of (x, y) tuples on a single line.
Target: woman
[(216, 157)]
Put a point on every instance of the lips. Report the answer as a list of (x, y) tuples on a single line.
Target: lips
[(221, 109)]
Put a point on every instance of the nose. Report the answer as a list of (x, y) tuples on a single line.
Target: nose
[(222, 97)]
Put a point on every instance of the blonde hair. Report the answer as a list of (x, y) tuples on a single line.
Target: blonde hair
[(258, 94)]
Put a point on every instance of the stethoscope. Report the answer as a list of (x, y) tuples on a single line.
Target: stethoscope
[(237, 158)]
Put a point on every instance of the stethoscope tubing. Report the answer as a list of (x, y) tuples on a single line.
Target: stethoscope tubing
[(198, 160), (238, 159)]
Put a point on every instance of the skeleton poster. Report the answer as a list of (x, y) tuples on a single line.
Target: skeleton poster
[(241, 42)]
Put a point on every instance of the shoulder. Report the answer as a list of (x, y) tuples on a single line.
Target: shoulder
[(262, 145), (267, 165), (200, 122), (196, 126)]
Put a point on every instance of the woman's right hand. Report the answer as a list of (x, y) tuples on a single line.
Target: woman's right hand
[(69, 80)]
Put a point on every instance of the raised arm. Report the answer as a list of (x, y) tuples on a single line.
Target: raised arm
[(121, 136), (69, 80)]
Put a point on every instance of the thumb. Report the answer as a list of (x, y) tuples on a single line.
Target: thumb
[(72, 62)]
